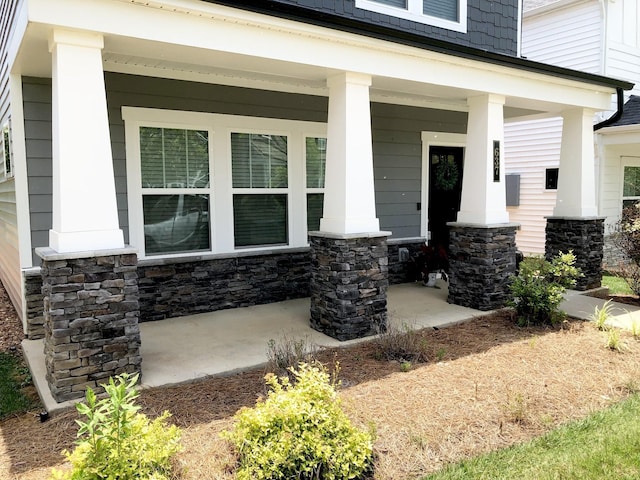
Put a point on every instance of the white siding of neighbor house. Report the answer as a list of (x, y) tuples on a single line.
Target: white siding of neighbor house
[(9, 251), (568, 35)]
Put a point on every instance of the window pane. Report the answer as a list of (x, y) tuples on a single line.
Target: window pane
[(631, 186), (174, 158), (446, 9), (316, 154), (393, 3), (176, 223), (260, 219), (314, 211), (259, 161)]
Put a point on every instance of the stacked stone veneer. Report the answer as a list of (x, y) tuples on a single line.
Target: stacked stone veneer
[(583, 236), (91, 315), (349, 281), (34, 302), (171, 288), (482, 262)]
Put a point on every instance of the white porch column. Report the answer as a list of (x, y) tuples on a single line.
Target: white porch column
[(85, 214), (576, 196), (349, 200), (483, 200)]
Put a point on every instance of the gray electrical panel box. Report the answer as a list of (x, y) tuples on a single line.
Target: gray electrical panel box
[(512, 181)]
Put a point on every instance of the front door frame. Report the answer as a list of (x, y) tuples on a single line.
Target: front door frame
[(435, 139)]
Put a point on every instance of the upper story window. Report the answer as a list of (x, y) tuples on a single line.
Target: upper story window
[(449, 14)]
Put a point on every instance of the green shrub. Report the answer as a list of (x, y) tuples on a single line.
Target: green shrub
[(536, 292), (299, 432), (117, 442)]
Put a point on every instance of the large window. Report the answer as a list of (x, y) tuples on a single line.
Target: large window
[(174, 166), (316, 158), (449, 14), (199, 182), (260, 180), (631, 183)]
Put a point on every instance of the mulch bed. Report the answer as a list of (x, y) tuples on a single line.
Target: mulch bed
[(488, 384)]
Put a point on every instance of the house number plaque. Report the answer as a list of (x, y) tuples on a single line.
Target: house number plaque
[(496, 160)]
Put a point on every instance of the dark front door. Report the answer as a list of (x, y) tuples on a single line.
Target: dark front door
[(445, 187)]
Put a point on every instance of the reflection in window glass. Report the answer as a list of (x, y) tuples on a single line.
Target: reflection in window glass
[(176, 223), (260, 219), (259, 161), (316, 154), (174, 158), (314, 211), (631, 187)]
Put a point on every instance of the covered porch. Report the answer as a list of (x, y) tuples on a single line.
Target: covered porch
[(181, 350)]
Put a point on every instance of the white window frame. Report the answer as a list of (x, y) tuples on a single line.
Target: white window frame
[(627, 162), (414, 13), (220, 191), (4, 172)]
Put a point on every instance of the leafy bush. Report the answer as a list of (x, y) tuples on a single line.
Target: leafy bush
[(537, 290), (299, 432), (117, 442), (626, 237)]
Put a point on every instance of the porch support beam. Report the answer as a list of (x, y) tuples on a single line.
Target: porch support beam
[(85, 213), (483, 200), (349, 200), (576, 196)]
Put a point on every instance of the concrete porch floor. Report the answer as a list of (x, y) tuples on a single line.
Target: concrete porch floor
[(184, 349)]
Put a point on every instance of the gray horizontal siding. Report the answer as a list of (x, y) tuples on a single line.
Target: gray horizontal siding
[(397, 147), (396, 139)]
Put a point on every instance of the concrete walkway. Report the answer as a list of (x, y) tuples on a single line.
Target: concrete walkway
[(185, 349)]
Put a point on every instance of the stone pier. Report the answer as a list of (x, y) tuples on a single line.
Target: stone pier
[(91, 314), (482, 262), (349, 281), (583, 236)]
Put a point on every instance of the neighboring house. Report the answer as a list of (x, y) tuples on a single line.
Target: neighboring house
[(595, 36), (171, 157)]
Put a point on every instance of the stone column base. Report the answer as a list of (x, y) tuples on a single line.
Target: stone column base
[(482, 262), (583, 236), (349, 281), (91, 315)]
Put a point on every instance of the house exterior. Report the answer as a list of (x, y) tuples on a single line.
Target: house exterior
[(601, 37), (171, 157)]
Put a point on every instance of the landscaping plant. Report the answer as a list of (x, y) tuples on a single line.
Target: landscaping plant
[(116, 442), (536, 292), (299, 432), (626, 237)]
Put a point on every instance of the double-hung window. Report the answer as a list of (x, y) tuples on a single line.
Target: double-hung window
[(630, 181), (315, 161), (259, 164), (174, 168), (449, 14), (207, 183)]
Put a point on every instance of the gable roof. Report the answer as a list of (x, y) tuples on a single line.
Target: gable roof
[(630, 113), (306, 14)]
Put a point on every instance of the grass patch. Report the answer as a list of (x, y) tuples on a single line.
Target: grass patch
[(604, 445), (616, 285), (14, 380)]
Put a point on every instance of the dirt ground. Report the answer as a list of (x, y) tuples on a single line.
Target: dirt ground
[(488, 384)]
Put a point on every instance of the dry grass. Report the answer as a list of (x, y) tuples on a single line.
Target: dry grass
[(496, 385)]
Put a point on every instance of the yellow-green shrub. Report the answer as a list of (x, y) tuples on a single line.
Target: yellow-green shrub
[(299, 431), (117, 442)]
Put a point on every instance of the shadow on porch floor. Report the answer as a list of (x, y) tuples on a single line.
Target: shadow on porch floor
[(184, 349)]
